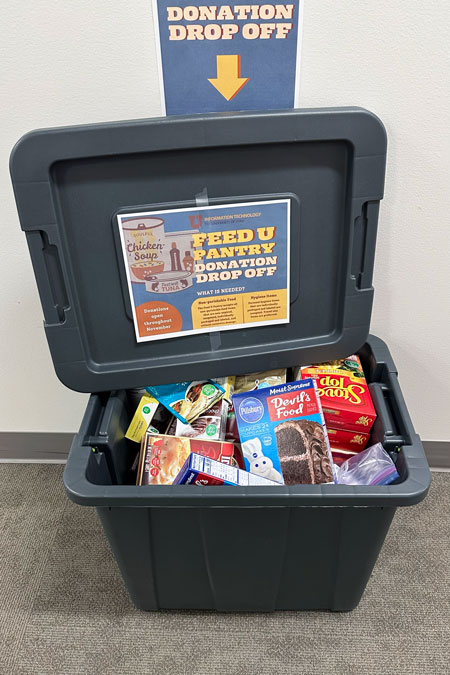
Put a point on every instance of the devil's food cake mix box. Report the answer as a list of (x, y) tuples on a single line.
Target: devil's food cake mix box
[(250, 382), (344, 393), (283, 434)]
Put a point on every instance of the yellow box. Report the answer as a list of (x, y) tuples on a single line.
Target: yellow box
[(142, 418)]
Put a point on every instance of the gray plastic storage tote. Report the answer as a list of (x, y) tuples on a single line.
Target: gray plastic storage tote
[(224, 548)]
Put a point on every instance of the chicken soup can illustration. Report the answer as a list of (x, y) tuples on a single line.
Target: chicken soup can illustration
[(145, 246)]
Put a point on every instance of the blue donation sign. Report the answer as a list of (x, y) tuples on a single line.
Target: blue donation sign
[(227, 57)]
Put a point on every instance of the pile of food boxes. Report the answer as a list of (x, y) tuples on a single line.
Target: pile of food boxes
[(306, 425)]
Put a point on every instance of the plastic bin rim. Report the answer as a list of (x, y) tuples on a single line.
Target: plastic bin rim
[(409, 492)]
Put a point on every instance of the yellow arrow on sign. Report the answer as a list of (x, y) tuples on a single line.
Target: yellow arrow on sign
[(228, 81)]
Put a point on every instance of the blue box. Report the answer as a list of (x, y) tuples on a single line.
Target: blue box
[(200, 470), (283, 433)]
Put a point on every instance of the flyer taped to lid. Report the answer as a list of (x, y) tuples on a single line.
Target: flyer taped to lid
[(205, 269)]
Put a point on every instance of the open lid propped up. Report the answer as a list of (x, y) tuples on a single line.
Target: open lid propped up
[(70, 182)]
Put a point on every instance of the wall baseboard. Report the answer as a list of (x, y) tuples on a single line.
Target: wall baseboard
[(438, 454), (54, 447), (34, 446)]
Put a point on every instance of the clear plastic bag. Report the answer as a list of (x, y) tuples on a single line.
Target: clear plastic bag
[(372, 466)]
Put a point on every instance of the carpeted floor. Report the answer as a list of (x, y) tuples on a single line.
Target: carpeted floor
[(64, 610)]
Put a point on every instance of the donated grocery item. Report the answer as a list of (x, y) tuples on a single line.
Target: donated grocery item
[(266, 378), (200, 470), (231, 429), (344, 393), (187, 400), (227, 383), (339, 455), (351, 364), (348, 440), (283, 433), (149, 415), (372, 466), (210, 424), (238, 456), (250, 382), (163, 456)]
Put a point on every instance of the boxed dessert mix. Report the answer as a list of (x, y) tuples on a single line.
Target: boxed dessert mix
[(163, 456), (250, 382), (200, 470), (283, 433), (349, 440), (343, 392)]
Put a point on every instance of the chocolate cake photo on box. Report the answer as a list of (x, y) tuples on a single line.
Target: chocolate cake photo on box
[(303, 452), (283, 434)]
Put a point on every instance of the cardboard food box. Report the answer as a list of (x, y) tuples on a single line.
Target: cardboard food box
[(200, 470), (250, 382), (283, 434), (211, 424), (344, 394), (163, 456), (341, 455), (149, 415), (349, 440)]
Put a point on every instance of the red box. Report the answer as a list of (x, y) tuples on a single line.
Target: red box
[(340, 455), (344, 394), (348, 440)]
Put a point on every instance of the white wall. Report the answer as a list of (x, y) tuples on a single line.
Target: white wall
[(80, 61)]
